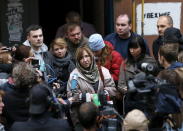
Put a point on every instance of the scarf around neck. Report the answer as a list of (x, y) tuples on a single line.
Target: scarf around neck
[(91, 74), (66, 61)]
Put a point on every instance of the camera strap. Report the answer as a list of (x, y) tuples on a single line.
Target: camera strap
[(101, 74), (123, 64)]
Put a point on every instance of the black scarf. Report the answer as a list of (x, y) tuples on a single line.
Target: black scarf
[(64, 62)]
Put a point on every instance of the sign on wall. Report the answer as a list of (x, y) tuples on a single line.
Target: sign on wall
[(14, 23), (152, 11)]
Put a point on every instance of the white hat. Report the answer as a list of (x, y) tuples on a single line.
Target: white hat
[(96, 42), (137, 120)]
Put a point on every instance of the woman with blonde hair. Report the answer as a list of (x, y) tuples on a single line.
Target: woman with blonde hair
[(60, 63)]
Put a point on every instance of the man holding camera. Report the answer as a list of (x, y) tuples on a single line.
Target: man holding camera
[(35, 41)]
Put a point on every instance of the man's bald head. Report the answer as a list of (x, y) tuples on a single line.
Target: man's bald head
[(163, 23)]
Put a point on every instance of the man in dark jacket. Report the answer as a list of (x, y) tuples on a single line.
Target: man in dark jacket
[(74, 38), (123, 35), (162, 24), (41, 120), (16, 107), (167, 57)]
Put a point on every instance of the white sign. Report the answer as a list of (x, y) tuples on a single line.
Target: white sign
[(152, 11)]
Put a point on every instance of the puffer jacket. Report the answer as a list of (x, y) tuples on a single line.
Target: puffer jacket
[(113, 64)]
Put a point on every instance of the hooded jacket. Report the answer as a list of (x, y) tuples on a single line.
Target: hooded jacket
[(37, 54)]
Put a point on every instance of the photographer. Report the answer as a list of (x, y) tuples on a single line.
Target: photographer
[(87, 78), (174, 79), (132, 66), (136, 56), (40, 104), (16, 107), (167, 57)]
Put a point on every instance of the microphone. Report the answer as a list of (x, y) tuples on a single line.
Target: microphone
[(74, 82)]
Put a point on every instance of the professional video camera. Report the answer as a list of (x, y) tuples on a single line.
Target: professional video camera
[(145, 80), (140, 93), (149, 67), (151, 94)]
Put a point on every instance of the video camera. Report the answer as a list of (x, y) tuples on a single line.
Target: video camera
[(143, 82), (141, 89), (151, 94), (149, 67)]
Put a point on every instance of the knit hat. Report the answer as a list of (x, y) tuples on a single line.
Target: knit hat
[(96, 42), (135, 120)]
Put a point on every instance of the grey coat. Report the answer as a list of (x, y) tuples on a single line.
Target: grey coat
[(128, 71)]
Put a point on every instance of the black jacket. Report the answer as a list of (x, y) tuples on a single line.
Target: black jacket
[(16, 105), (41, 123), (156, 45)]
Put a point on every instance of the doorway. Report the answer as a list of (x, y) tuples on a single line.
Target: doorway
[(52, 15)]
